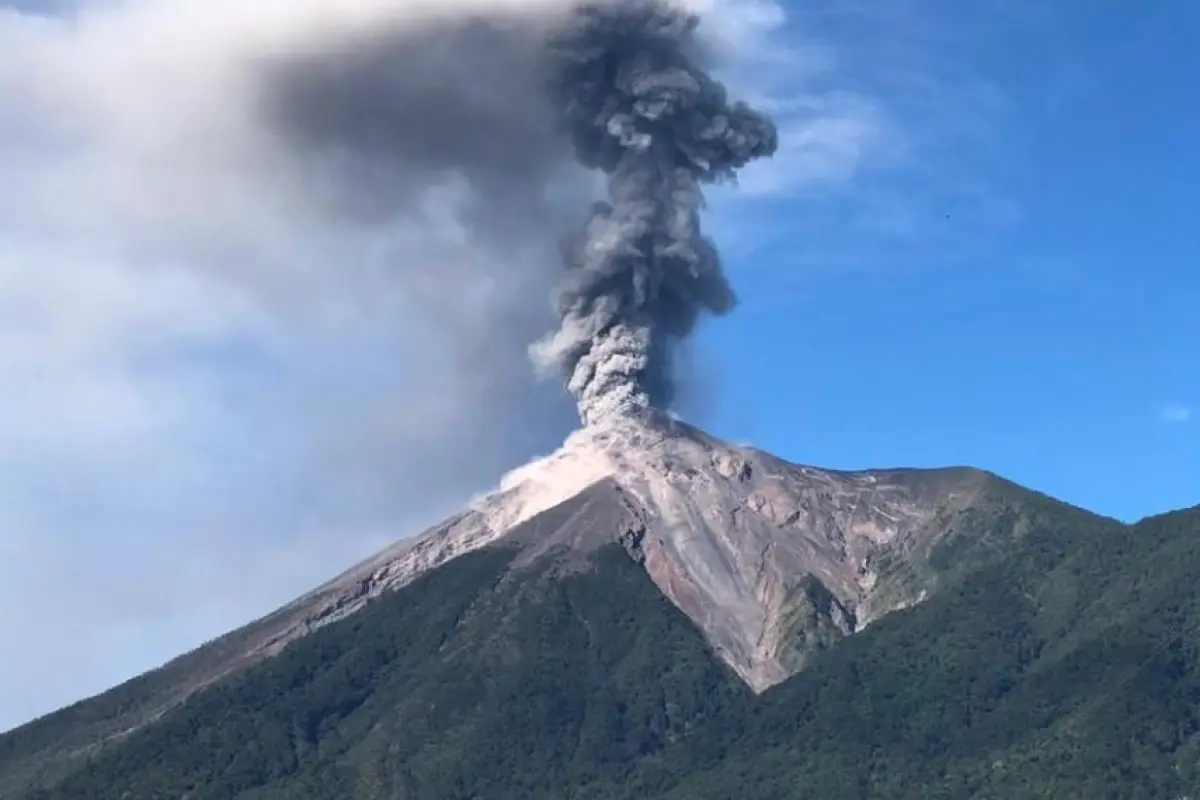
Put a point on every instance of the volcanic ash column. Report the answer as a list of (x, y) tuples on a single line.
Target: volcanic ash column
[(629, 91)]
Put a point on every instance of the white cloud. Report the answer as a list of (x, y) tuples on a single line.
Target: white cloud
[(216, 394), (1175, 414)]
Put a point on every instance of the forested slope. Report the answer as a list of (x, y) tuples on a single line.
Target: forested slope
[(1065, 666)]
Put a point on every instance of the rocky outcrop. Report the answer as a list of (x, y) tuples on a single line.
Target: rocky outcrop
[(772, 560)]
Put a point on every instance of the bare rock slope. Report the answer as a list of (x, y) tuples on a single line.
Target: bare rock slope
[(773, 561)]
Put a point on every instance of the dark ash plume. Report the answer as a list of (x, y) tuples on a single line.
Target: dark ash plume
[(637, 105), (496, 100), (384, 115)]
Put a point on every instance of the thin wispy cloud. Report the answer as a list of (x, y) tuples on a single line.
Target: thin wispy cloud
[(828, 133), (895, 143), (1175, 414)]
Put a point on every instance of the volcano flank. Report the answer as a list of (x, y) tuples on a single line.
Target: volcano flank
[(652, 612)]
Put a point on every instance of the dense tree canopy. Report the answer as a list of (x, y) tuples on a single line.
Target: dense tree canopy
[(1066, 665)]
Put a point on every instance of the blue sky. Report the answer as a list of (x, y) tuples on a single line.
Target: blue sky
[(1042, 323), (219, 390)]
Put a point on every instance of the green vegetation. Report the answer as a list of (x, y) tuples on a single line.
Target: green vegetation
[(1065, 663)]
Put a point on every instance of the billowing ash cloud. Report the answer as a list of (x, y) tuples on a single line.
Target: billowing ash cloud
[(637, 104), (514, 105), (388, 113)]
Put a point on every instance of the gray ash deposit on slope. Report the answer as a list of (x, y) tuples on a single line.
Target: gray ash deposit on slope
[(638, 106)]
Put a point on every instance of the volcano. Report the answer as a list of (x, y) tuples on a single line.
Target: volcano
[(650, 611), (772, 561)]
